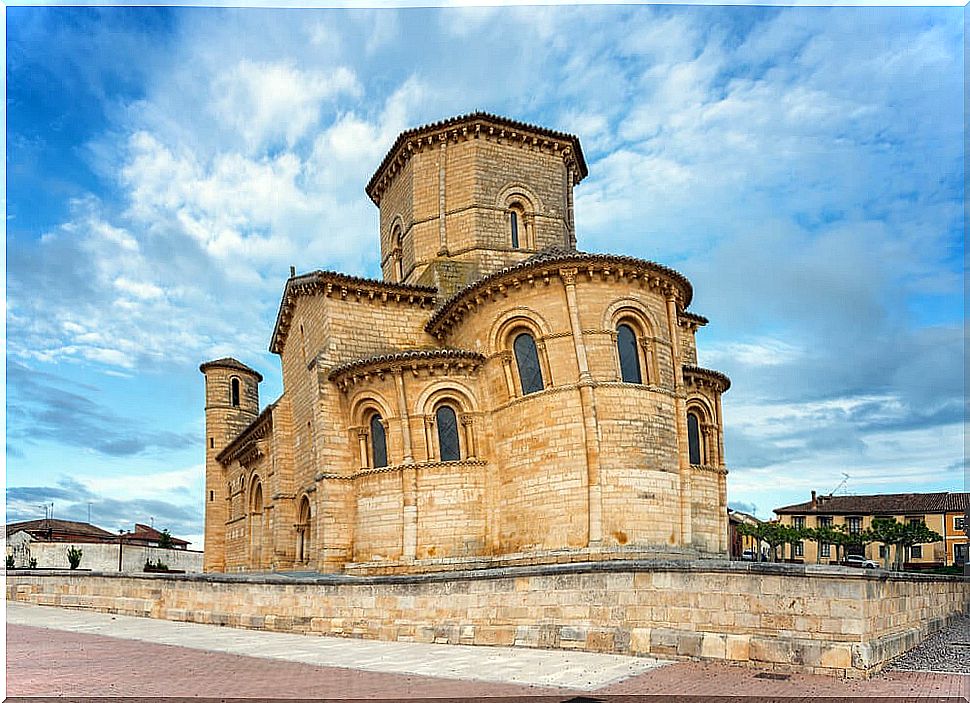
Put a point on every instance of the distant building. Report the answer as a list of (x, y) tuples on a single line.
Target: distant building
[(744, 546), (46, 543), (945, 513), (147, 536)]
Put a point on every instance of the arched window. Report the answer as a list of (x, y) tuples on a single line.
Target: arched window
[(514, 227), (256, 525), (397, 254), (527, 361), (234, 392), (626, 345), (694, 442), (303, 532), (378, 441), (449, 447)]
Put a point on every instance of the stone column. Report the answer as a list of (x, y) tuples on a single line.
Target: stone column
[(409, 477), (509, 378), (722, 475), (362, 443), (680, 404), (466, 423), (442, 234), (570, 222), (588, 405)]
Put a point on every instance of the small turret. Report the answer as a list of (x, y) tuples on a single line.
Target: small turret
[(231, 404)]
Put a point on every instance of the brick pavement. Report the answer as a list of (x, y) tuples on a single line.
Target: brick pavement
[(51, 662)]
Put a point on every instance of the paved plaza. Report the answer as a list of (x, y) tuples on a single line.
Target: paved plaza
[(57, 652)]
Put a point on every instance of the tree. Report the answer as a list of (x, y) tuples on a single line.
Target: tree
[(165, 541), (914, 533), (74, 556), (888, 532)]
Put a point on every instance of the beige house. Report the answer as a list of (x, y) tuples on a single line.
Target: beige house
[(497, 397), (944, 513)]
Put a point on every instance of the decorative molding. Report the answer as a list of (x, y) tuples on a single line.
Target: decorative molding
[(703, 468), (545, 267), (432, 361), (476, 125), (258, 429), (706, 378), (396, 468)]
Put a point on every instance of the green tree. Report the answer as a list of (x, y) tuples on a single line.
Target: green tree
[(914, 533), (888, 532), (165, 541), (74, 556)]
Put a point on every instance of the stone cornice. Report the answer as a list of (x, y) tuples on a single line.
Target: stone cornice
[(692, 320), (697, 376), (331, 283), (229, 363), (414, 361), (475, 125), (396, 468), (244, 447), (544, 268)]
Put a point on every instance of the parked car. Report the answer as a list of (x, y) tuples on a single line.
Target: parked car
[(749, 555), (860, 562)]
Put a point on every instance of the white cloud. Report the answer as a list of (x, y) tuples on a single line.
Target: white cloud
[(268, 102)]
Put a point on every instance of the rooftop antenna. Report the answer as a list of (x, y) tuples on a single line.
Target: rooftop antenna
[(151, 521), (843, 486)]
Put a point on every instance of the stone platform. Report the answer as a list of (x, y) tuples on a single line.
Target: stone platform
[(797, 618)]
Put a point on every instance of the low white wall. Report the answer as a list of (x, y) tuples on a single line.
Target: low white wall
[(104, 557)]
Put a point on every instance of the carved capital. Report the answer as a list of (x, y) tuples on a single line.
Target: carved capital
[(362, 432), (568, 276)]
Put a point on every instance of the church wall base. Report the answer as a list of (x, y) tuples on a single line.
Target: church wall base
[(799, 618)]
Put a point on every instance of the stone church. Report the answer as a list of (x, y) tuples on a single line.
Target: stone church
[(498, 397)]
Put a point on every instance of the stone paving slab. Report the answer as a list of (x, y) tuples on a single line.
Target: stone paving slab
[(582, 671)]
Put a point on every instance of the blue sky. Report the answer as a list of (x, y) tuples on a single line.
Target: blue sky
[(165, 167)]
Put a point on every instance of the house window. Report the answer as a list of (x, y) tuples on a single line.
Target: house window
[(626, 345), (825, 521), (960, 524), (882, 551), (234, 392), (378, 441), (855, 524), (916, 551), (527, 361), (799, 549), (694, 439), (449, 448), (798, 522), (826, 549)]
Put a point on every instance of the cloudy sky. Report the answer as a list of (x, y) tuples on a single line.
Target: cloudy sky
[(165, 167)]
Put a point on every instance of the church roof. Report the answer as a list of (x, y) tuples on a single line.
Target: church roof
[(404, 357), (481, 118), (229, 363), (557, 255), (328, 281)]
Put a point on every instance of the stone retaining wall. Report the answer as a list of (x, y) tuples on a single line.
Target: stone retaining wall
[(818, 619)]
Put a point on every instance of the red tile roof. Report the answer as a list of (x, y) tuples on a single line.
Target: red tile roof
[(61, 531), (881, 504)]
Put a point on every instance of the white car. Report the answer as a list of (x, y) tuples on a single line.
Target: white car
[(860, 561)]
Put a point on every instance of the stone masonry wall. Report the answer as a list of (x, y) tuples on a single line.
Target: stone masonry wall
[(790, 618)]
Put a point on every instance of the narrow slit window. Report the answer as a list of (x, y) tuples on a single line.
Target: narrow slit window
[(234, 392), (527, 361), (448, 443), (626, 343), (694, 439), (378, 441), (514, 225)]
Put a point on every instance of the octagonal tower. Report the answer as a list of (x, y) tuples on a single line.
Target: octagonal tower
[(466, 197)]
